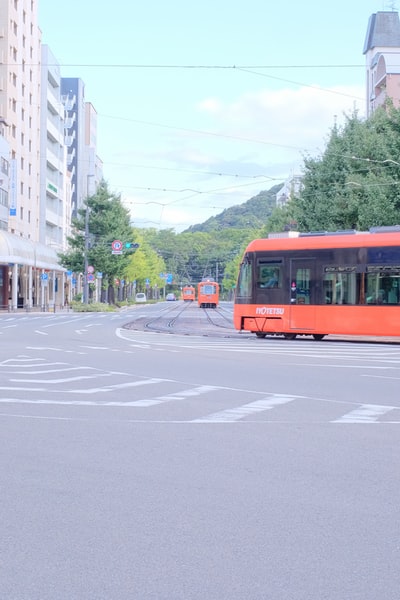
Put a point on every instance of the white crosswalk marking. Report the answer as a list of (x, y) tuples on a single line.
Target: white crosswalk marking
[(191, 392), (366, 413), (240, 412)]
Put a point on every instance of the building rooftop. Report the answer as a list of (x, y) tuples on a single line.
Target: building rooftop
[(383, 31)]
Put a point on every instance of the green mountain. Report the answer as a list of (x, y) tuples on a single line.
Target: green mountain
[(252, 214)]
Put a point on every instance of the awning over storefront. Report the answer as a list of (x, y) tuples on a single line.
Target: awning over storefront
[(15, 249)]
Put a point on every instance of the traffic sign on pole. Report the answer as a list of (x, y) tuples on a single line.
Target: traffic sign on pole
[(116, 247)]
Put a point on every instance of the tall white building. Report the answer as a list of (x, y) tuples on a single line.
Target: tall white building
[(54, 199)]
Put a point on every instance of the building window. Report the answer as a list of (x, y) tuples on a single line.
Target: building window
[(22, 163), (21, 213), (4, 165)]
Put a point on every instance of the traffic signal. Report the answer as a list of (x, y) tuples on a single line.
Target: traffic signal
[(131, 245)]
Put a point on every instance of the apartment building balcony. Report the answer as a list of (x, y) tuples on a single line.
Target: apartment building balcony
[(69, 139), (54, 162), (52, 217), (68, 101), (69, 122), (54, 103), (54, 134), (71, 156)]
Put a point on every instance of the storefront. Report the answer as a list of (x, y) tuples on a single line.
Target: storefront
[(30, 275)]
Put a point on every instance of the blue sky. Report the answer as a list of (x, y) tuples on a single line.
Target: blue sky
[(203, 105)]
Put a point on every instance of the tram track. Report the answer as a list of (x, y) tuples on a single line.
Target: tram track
[(226, 321), (188, 319)]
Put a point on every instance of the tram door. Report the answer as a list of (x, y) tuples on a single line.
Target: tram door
[(302, 293)]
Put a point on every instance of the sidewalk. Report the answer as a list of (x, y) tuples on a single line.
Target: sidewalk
[(36, 310)]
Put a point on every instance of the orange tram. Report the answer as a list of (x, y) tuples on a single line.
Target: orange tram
[(208, 294), (188, 293), (345, 283)]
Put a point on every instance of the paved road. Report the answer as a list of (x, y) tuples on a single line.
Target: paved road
[(145, 466)]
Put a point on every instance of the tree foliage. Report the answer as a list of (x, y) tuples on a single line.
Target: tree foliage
[(355, 183), (102, 220)]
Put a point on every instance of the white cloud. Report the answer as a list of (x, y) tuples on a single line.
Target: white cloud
[(257, 136)]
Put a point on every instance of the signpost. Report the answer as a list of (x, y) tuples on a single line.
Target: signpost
[(116, 247)]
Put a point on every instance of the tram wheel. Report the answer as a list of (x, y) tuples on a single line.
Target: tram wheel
[(318, 336), (260, 334), (289, 336)]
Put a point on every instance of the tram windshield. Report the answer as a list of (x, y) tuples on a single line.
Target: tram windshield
[(243, 289)]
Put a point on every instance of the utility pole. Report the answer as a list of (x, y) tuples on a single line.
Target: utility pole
[(85, 297), (85, 259)]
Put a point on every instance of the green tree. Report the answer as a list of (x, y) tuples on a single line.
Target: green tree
[(355, 183), (145, 264), (102, 220)]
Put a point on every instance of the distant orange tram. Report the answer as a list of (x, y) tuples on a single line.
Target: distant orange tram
[(208, 294), (188, 293)]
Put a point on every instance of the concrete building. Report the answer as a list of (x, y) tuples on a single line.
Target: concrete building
[(29, 270), (4, 176), (73, 98), (54, 201), (382, 55), (92, 165)]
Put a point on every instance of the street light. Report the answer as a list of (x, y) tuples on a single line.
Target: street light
[(85, 297), (85, 259)]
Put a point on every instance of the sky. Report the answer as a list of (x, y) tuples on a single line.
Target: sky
[(201, 106)]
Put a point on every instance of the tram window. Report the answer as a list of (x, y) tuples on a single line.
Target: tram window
[(269, 274), (383, 287), (340, 288), (301, 291), (243, 289)]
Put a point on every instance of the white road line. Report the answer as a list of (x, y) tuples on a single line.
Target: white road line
[(6, 363), (63, 380), (197, 391), (366, 413), (118, 386), (240, 412), (44, 371)]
